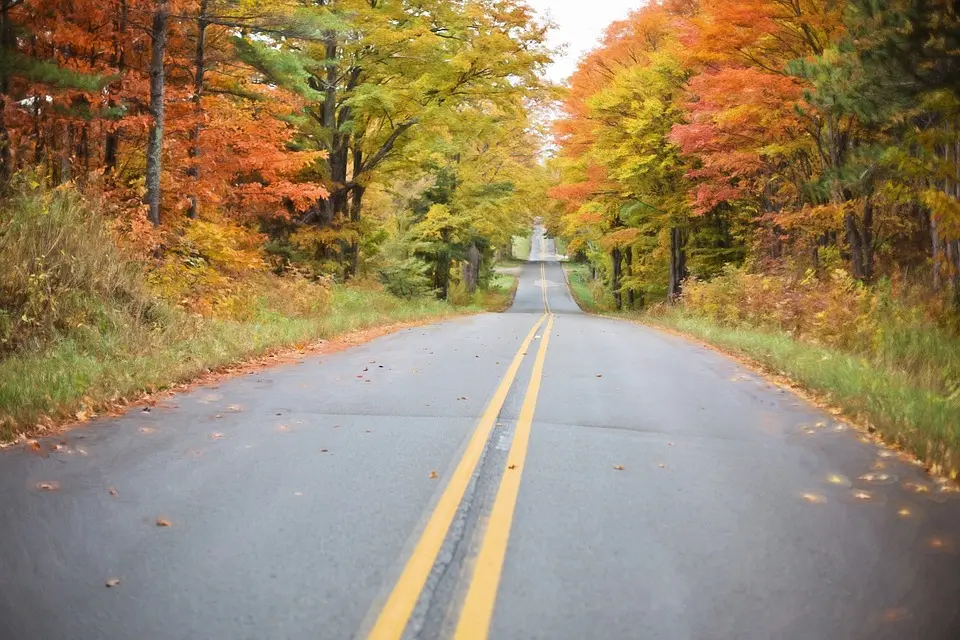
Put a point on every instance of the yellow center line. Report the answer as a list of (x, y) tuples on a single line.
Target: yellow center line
[(396, 612), (477, 612), (543, 288)]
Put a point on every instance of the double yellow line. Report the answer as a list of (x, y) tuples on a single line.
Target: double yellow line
[(477, 611)]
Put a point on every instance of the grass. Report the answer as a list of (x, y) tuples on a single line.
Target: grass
[(500, 293), (906, 412), (588, 293), (82, 374), (521, 248)]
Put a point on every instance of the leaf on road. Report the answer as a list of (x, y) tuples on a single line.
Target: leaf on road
[(669, 444), (284, 428), (896, 615), (916, 487), (112, 582), (216, 435), (163, 522), (599, 375), (324, 450), (662, 466), (512, 466), (434, 475), (146, 430), (941, 544), (836, 478), (52, 485), (812, 498), (618, 467), (112, 491), (234, 408)]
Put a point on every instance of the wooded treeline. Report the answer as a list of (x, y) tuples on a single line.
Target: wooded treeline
[(334, 137), (792, 137)]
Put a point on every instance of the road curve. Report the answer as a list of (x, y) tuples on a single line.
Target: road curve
[(540, 473)]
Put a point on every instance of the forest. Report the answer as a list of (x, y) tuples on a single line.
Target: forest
[(177, 171)]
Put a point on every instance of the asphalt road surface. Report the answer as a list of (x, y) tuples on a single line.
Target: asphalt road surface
[(539, 473)]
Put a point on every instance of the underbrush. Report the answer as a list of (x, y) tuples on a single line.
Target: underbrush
[(590, 294), (886, 323), (85, 326)]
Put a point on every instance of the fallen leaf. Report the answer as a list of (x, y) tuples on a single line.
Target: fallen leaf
[(146, 430), (669, 444), (283, 427), (112, 491), (434, 475), (618, 467), (836, 478), (512, 466), (216, 435), (599, 375), (812, 498), (112, 582), (163, 522), (896, 615), (233, 407), (53, 485), (662, 466), (217, 417), (146, 410)]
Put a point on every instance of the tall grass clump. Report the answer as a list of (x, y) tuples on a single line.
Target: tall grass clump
[(63, 274)]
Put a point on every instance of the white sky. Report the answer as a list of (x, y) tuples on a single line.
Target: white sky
[(580, 26)]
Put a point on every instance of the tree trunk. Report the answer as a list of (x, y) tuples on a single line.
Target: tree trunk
[(158, 35), (678, 264), (111, 147), (356, 205), (628, 260), (7, 43), (615, 259), (855, 240), (471, 268), (866, 237), (199, 69)]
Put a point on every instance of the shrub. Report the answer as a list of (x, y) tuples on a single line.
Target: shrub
[(62, 270), (884, 323)]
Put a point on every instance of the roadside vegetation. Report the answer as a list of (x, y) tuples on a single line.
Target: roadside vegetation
[(85, 327), (780, 179)]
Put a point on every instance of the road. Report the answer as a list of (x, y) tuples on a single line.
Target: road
[(518, 475)]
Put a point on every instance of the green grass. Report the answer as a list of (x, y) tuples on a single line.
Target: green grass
[(588, 293), (900, 407), (521, 248), (501, 291), (93, 370)]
